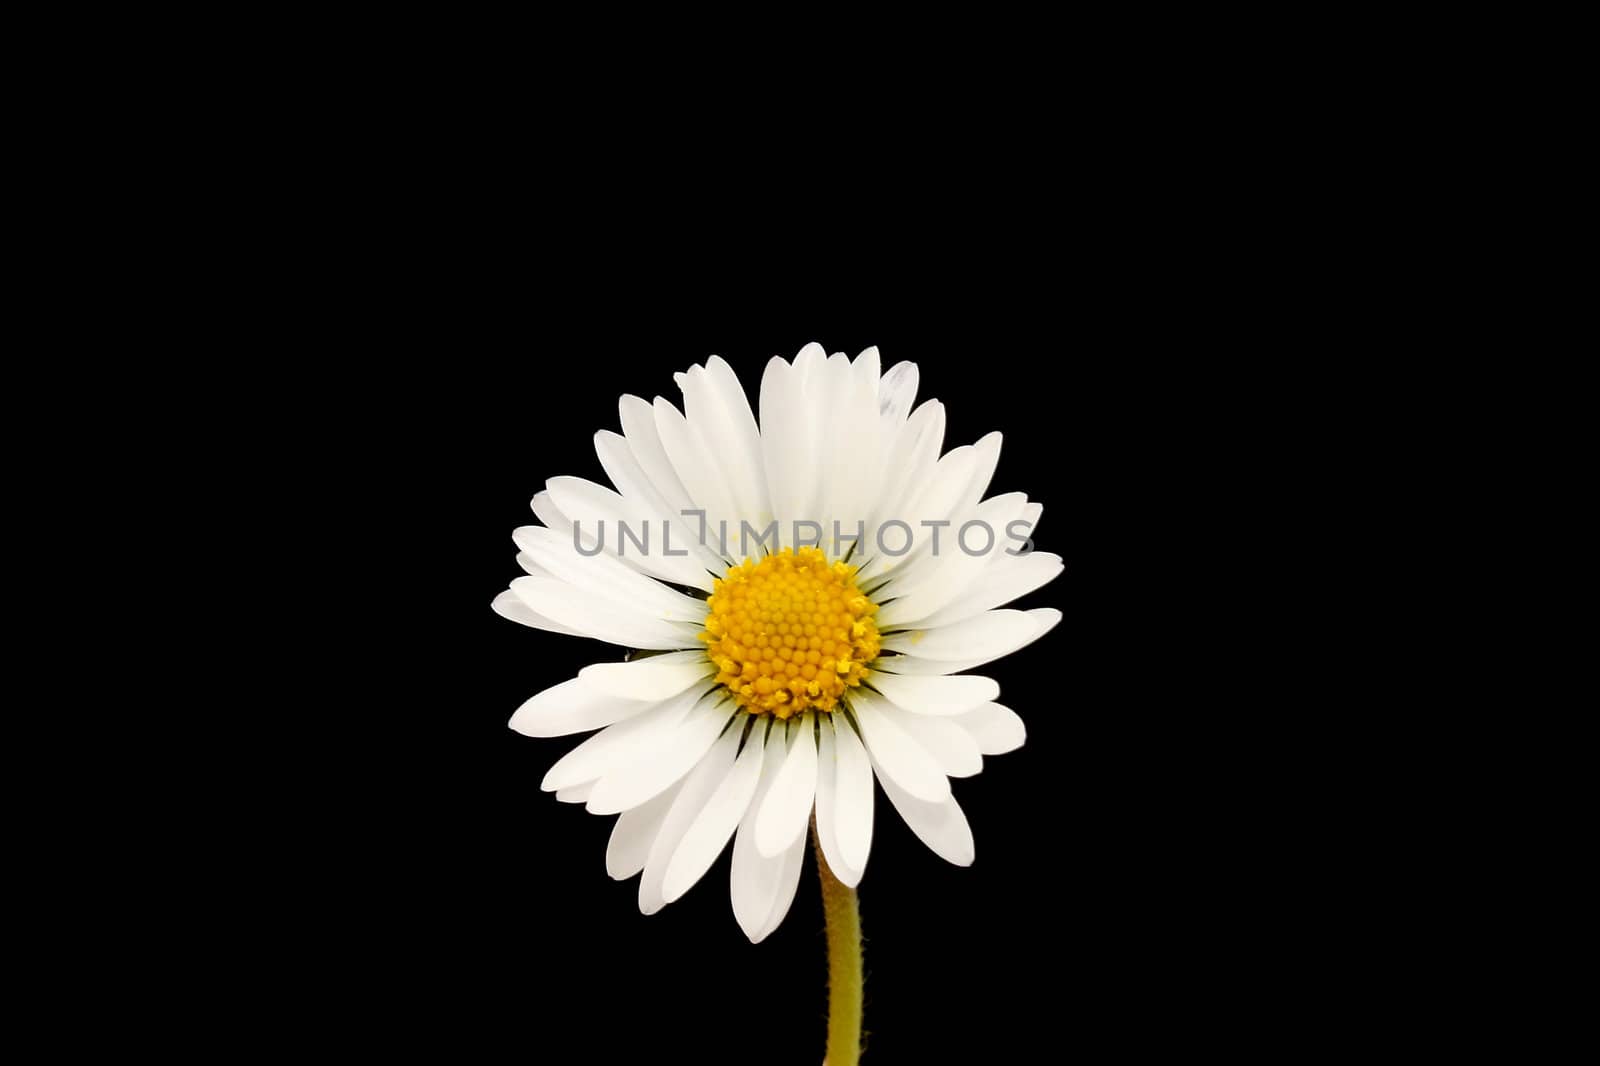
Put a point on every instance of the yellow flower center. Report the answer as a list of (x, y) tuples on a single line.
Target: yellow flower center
[(790, 632)]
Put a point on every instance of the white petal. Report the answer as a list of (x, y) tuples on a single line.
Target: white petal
[(1046, 618), (632, 527), (617, 745), (1006, 579), (835, 453), (1030, 518), (855, 429), (1038, 622), (895, 753), (606, 577), (674, 755), (935, 695), (753, 880), (701, 475), (911, 664), (898, 391), (698, 788), (576, 794), (716, 406), (633, 834), (656, 677), (996, 729), (945, 500), (915, 452), (675, 553), (868, 366), (852, 797), (951, 746), (549, 515), (599, 618), (639, 427), (786, 448), (787, 808), (940, 495), (714, 827), (942, 826), (595, 510), (573, 707), (507, 605), (788, 882), (984, 636), (808, 362), (953, 572), (911, 458), (987, 454), (827, 809)]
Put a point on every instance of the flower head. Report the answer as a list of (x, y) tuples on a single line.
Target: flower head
[(802, 597)]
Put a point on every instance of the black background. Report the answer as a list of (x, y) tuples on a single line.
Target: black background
[(440, 898), (436, 337), (485, 905)]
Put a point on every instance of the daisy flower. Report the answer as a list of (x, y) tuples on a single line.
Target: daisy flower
[(802, 598)]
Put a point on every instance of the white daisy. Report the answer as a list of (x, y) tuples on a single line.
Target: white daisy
[(777, 683)]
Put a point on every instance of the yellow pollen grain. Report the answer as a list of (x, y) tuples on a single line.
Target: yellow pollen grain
[(790, 633)]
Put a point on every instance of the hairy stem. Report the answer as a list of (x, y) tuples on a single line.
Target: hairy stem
[(844, 964)]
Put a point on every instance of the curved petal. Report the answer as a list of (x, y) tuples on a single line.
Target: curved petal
[(1046, 618), (935, 695), (598, 513), (550, 516), (600, 619), (675, 552), (633, 834), (573, 707), (700, 474), (895, 753), (671, 757), (788, 882), (853, 799), (607, 577), (827, 809), (785, 447), (829, 399), (617, 745), (984, 636), (714, 827), (1040, 621), (949, 575), (942, 826), (986, 456), (698, 788), (656, 677), (951, 746), (897, 392), (855, 433), (915, 452), (1006, 579), (639, 428), (715, 405), (784, 812), (996, 729), (507, 605), (753, 880), (575, 794)]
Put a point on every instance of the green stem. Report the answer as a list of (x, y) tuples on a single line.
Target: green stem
[(844, 964)]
